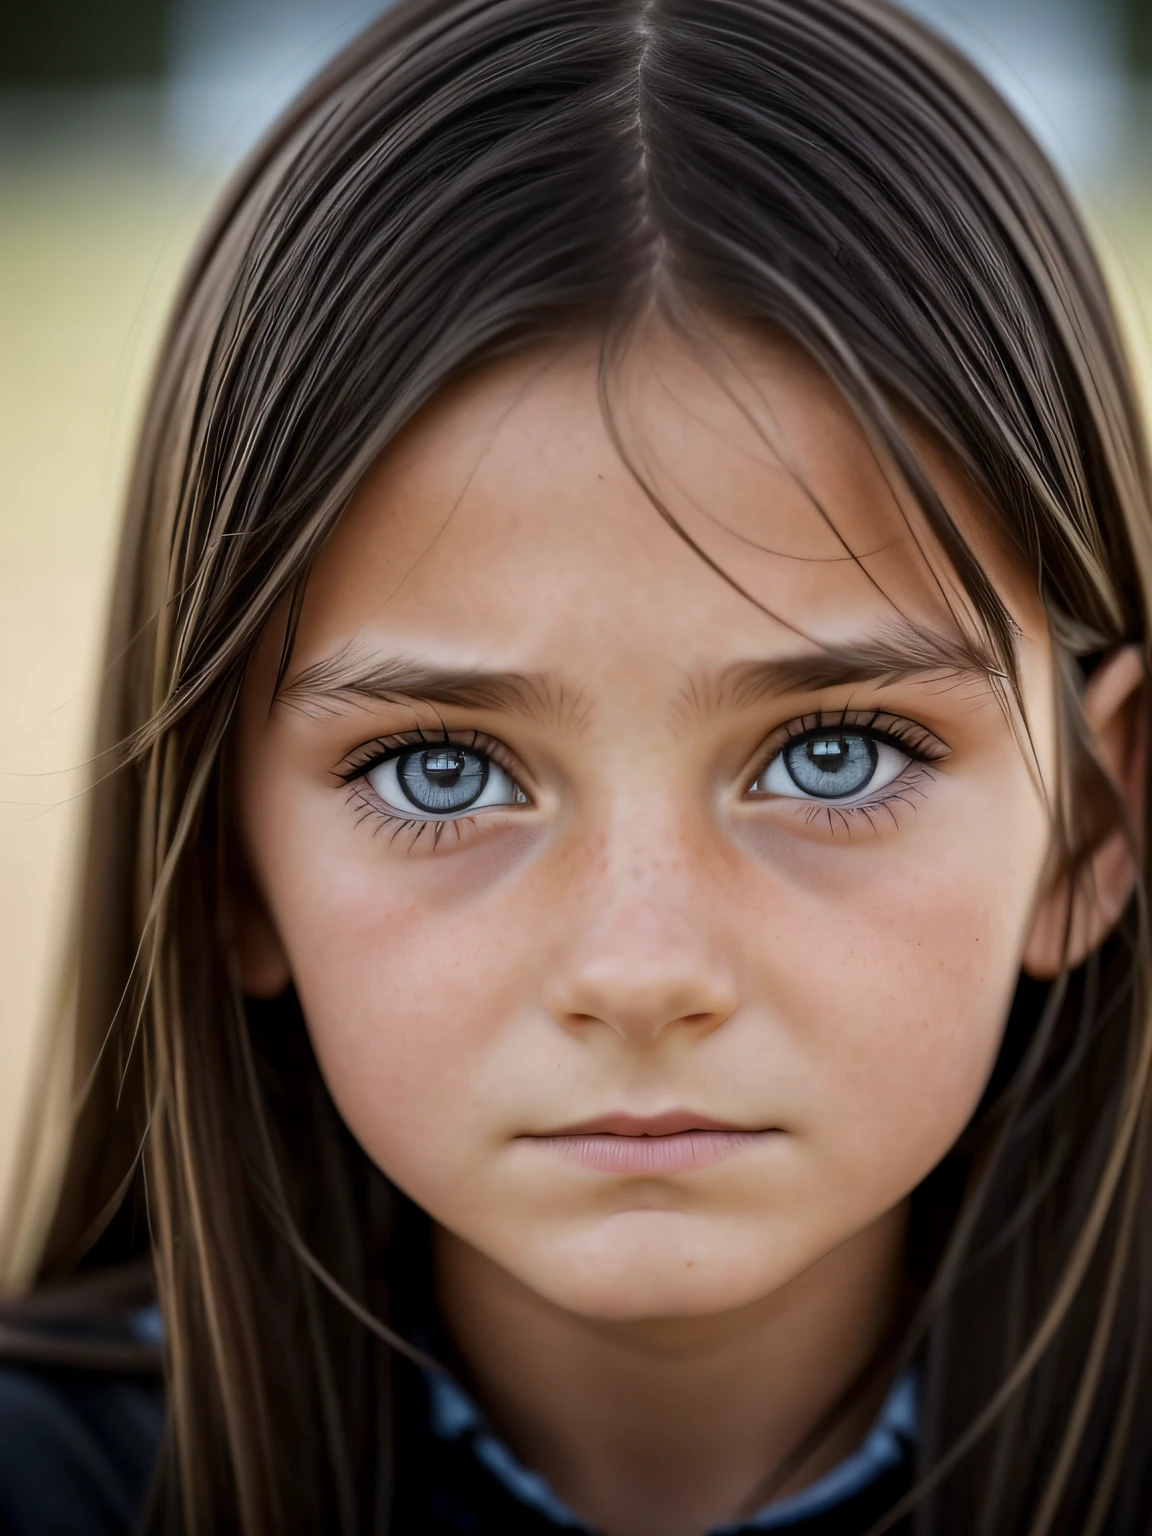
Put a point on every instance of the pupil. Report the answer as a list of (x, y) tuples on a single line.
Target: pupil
[(828, 753), (443, 765)]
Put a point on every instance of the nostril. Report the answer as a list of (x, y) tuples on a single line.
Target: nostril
[(642, 994)]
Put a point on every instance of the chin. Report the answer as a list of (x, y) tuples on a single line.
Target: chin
[(647, 1265)]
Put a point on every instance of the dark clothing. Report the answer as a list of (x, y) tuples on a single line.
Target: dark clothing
[(76, 1455), (76, 1451)]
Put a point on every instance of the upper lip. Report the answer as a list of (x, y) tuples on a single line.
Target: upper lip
[(672, 1122)]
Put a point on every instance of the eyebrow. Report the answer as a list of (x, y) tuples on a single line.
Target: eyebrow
[(348, 679), (899, 652)]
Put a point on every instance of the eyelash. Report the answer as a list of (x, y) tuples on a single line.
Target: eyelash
[(355, 769), (915, 741)]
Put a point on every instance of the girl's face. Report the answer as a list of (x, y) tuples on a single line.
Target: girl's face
[(563, 840)]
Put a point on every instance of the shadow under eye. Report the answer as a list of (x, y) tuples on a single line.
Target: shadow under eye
[(455, 874)]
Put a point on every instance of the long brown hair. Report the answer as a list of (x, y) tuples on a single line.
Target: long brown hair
[(469, 177)]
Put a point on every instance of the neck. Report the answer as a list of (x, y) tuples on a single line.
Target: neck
[(676, 1424)]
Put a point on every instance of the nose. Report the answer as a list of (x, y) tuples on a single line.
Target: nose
[(649, 958)]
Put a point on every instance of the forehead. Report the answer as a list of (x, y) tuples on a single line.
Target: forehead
[(527, 511)]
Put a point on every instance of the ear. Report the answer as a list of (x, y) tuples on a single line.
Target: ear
[(1117, 729), (260, 957)]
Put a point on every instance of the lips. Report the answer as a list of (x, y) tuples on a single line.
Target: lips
[(677, 1141), (673, 1122)]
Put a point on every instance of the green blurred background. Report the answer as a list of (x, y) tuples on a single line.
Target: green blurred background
[(119, 119)]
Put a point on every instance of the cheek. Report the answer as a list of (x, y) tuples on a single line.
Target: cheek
[(407, 971), (892, 978)]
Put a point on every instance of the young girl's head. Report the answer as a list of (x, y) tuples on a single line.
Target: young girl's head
[(626, 714)]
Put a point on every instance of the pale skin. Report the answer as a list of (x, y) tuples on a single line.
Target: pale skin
[(647, 914)]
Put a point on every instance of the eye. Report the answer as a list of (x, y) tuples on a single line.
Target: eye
[(442, 780), (834, 764)]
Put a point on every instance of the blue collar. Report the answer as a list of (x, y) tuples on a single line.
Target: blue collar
[(454, 1416)]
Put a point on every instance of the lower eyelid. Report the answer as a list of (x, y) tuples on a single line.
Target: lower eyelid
[(871, 814)]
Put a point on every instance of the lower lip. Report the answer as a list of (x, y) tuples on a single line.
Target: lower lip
[(678, 1153)]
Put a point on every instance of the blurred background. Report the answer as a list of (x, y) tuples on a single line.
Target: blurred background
[(119, 119)]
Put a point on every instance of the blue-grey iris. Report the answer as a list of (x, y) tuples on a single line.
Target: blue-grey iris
[(445, 778), (832, 764)]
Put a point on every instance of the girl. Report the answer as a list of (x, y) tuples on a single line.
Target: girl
[(611, 974)]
